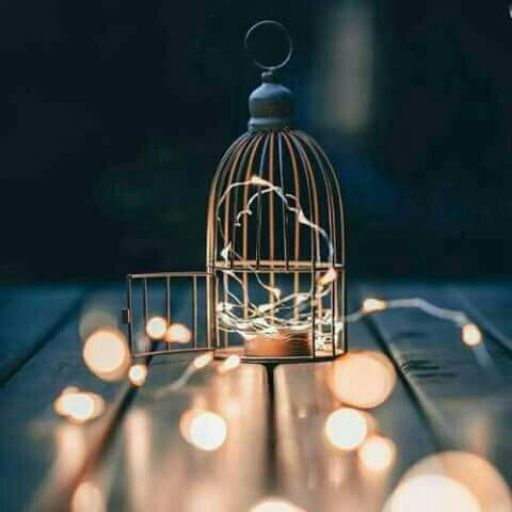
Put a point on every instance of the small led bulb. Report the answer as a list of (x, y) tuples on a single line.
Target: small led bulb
[(372, 305), (471, 335)]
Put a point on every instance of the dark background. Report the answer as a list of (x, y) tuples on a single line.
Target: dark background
[(115, 113)]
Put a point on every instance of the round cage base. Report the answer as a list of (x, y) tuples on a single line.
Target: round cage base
[(321, 355)]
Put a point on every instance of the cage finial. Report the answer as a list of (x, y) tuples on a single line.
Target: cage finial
[(271, 104)]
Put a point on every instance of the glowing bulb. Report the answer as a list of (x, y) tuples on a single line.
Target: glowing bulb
[(106, 354), (372, 305), (87, 498), (275, 505), (232, 362), (203, 429), (363, 379), (156, 327), (425, 493), (346, 428), (256, 180), (138, 374), (178, 333), (377, 453), (203, 360), (79, 406), (471, 335), (328, 277)]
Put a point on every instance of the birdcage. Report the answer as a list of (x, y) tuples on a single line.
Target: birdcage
[(275, 282)]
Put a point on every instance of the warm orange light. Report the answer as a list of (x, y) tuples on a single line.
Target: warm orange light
[(328, 277), (88, 497), (426, 493), (138, 374), (346, 428), (363, 379), (203, 360), (156, 327), (377, 453), (204, 430), (371, 305), (178, 333), (449, 481), (106, 354), (275, 505), (471, 335), (232, 362), (79, 406)]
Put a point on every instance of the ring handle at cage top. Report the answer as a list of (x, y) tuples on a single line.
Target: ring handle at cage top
[(281, 28)]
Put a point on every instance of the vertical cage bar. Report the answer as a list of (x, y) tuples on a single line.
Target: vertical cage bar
[(334, 314), (130, 311), (168, 300), (284, 213), (194, 308), (145, 312)]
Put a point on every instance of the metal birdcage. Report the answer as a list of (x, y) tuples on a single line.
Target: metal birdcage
[(274, 286)]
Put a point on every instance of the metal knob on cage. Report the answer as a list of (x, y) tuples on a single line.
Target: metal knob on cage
[(276, 236), (274, 287)]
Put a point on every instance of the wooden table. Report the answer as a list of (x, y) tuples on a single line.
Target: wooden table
[(134, 458)]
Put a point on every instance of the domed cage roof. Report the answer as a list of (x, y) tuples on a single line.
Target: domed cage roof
[(275, 203)]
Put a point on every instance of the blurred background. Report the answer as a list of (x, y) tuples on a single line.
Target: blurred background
[(115, 113)]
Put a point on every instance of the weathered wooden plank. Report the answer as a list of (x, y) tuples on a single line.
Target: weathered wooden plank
[(29, 317), (319, 477), (40, 450), (151, 467), (465, 395)]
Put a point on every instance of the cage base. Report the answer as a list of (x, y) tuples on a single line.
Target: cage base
[(321, 355)]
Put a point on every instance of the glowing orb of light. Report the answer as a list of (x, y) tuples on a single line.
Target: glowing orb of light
[(79, 406), (363, 379), (471, 335), (377, 453), (138, 374), (204, 430), (202, 361), (88, 498), (156, 327), (232, 362), (425, 493), (275, 505), (449, 481), (178, 333), (372, 305), (346, 428), (106, 354)]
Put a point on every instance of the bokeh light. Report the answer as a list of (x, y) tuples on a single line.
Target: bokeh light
[(426, 493), (178, 333), (106, 354), (450, 481), (88, 497), (156, 327), (204, 430), (346, 428), (138, 374), (276, 504), (203, 360), (232, 362), (79, 406), (362, 379), (377, 453), (471, 335)]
